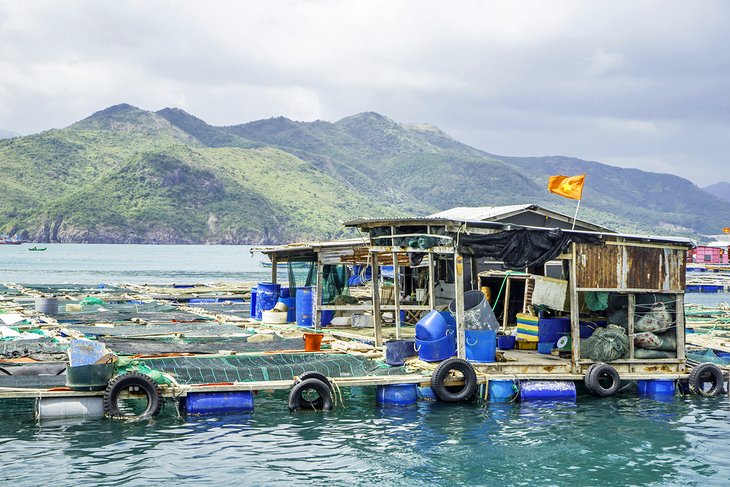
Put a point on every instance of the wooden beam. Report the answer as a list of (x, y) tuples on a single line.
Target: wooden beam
[(574, 312), (459, 297), (631, 318), (318, 298), (396, 294), (375, 287)]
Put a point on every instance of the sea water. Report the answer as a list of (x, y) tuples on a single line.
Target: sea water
[(622, 440)]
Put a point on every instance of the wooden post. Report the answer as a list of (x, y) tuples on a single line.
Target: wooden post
[(374, 283), (680, 330), (630, 328), (574, 312), (318, 297), (459, 297), (396, 294), (274, 268), (431, 283)]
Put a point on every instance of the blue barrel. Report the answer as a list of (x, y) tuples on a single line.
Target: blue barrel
[(267, 294), (481, 345), (252, 312), (284, 293), (552, 390), (397, 351), (501, 390), (656, 387), (325, 317), (291, 304), (549, 330), (305, 306), (218, 402), (397, 394)]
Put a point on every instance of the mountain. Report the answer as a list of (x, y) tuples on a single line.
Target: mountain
[(720, 190), (125, 174)]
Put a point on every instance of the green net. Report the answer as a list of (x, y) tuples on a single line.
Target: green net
[(249, 368)]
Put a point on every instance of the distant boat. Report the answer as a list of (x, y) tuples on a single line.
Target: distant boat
[(8, 241), (37, 249)]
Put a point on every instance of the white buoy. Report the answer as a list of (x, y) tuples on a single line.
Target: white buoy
[(70, 407)]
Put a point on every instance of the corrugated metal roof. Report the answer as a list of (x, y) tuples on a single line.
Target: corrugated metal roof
[(305, 247), (480, 213)]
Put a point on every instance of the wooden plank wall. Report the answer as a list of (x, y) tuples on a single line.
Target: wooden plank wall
[(630, 267)]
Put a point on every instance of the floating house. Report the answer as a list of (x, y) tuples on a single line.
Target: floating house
[(709, 254)]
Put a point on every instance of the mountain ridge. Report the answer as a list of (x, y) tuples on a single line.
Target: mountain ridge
[(125, 174)]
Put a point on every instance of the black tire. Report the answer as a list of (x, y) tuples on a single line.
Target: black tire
[(323, 402), (132, 382), (448, 394), (704, 375), (595, 374)]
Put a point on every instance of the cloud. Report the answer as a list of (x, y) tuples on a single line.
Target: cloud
[(643, 81)]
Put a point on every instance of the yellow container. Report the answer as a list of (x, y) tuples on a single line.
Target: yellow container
[(525, 345)]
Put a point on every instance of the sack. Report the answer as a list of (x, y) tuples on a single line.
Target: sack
[(657, 320)]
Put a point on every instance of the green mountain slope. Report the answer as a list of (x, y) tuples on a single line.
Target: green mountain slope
[(720, 190), (130, 175)]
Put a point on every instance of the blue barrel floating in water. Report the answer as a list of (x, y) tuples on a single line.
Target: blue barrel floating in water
[(552, 390), (656, 387), (501, 390), (397, 394), (481, 345), (219, 402), (267, 294), (305, 306), (549, 330), (291, 312), (397, 351)]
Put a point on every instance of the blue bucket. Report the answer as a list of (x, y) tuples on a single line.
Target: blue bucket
[(545, 347), (267, 294), (506, 342), (552, 390), (396, 351), (325, 317), (549, 330), (481, 345), (285, 293), (305, 306), (252, 311), (432, 327), (291, 304), (437, 350), (501, 390), (218, 402), (397, 394)]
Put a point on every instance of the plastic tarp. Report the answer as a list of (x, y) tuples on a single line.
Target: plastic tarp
[(523, 248)]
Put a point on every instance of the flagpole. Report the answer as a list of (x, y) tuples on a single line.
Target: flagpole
[(576, 214)]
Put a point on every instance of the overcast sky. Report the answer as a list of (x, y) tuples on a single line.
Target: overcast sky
[(637, 83)]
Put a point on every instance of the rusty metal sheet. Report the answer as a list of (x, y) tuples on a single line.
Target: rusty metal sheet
[(630, 267)]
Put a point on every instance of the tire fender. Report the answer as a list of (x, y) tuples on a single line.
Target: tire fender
[(442, 372), (598, 371), (137, 382), (703, 374), (322, 403)]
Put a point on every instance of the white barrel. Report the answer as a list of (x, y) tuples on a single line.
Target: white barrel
[(70, 407), (46, 305)]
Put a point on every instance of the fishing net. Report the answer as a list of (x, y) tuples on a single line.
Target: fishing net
[(606, 344), (122, 346), (656, 341), (708, 355), (41, 348), (248, 368), (656, 320), (191, 329)]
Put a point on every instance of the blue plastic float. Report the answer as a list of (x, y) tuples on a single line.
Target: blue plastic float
[(397, 394)]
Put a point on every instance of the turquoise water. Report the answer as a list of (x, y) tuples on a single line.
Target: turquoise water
[(104, 263), (624, 440)]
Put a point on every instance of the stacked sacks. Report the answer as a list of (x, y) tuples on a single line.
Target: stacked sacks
[(655, 336), (436, 336)]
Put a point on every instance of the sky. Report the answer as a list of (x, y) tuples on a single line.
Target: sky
[(636, 83)]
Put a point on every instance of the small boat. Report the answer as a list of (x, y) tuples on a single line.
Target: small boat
[(8, 241), (37, 249)]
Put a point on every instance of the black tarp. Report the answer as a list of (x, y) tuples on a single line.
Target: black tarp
[(523, 248)]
